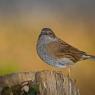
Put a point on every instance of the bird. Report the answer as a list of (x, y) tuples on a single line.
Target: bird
[(56, 52)]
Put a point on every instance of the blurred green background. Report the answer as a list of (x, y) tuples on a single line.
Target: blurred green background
[(21, 22)]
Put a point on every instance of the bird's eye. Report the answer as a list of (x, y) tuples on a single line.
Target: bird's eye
[(50, 33)]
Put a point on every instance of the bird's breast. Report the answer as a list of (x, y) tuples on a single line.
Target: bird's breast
[(43, 54)]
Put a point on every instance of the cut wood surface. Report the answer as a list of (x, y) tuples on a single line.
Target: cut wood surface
[(37, 83)]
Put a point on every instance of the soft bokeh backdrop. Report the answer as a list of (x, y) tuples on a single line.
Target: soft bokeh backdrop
[(21, 22)]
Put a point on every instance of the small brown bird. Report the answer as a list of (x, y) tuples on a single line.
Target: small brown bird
[(56, 52)]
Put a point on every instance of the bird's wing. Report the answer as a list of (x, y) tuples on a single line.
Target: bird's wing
[(61, 49)]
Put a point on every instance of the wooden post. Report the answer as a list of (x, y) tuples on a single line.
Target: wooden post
[(37, 83)]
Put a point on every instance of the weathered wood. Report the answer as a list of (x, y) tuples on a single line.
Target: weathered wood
[(44, 82)]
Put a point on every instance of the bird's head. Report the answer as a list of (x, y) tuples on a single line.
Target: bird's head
[(47, 32)]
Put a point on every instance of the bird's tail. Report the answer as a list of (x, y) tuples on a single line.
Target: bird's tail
[(92, 57)]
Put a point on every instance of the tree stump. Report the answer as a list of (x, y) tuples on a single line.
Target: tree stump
[(37, 83)]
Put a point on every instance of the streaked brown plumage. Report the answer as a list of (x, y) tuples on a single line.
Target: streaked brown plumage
[(61, 49)]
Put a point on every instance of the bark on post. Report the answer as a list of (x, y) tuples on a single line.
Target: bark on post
[(37, 83)]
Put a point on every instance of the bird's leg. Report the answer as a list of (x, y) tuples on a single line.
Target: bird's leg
[(69, 81), (69, 71)]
